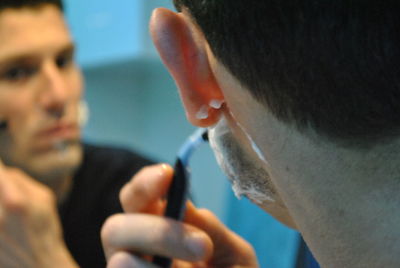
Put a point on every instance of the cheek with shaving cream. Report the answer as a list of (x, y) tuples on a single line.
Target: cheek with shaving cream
[(248, 179), (252, 193), (254, 146), (83, 113)]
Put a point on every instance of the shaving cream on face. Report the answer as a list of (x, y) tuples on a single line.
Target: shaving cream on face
[(248, 177), (253, 144), (83, 113), (62, 147), (250, 192)]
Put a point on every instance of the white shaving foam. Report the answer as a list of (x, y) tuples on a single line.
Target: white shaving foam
[(256, 149), (251, 193), (83, 113), (239, 187), (61, 146)]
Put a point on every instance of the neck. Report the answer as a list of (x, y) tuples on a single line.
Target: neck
[(348, 209), (355, 228), (59, 182), (62, 187)]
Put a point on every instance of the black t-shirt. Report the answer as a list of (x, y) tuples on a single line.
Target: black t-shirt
[(93, 198)]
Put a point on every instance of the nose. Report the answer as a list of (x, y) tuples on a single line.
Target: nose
[(54, 94)]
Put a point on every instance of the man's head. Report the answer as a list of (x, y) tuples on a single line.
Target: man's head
[(40, 90), (328, 65), (310, 88)]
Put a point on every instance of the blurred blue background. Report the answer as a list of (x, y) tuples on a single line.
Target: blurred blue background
[(133, 103)]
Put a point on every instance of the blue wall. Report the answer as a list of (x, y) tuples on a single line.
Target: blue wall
[(107, 31)]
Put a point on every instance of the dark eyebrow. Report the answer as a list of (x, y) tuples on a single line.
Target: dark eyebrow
[(69, 49), (30, 56)]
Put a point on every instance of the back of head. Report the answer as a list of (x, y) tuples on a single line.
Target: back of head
[(331, 66), (5, 4)]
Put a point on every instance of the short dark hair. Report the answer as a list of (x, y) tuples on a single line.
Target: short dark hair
[(333, 66), (5, 4)]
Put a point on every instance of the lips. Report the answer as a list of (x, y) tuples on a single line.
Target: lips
[(60, 131)]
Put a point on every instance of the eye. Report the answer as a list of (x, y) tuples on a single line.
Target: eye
[(17, 73), (64, 60)]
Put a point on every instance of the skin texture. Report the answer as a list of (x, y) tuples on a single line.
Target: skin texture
[(343, 201), (40, 89)]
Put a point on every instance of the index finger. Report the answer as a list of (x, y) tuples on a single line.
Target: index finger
[(146, 188)]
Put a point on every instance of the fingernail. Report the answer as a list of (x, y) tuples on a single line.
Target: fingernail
[(158, 172), (195, 244), (164, 169)]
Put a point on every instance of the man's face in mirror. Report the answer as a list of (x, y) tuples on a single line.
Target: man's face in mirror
[(40, 91)]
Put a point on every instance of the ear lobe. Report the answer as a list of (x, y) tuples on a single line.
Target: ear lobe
[(182, 48)]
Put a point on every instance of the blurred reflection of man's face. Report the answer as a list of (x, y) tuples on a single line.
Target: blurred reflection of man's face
[(40, 91)]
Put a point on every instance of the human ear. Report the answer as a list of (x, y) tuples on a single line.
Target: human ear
[(182, 48)]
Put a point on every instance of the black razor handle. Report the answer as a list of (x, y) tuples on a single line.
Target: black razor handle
[(176, 199)]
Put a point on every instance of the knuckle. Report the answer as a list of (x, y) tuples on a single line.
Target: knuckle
[(170, 239), (15, 204), (110, 229), (137, 190)]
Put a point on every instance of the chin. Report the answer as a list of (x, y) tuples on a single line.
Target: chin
[(58, 162)]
